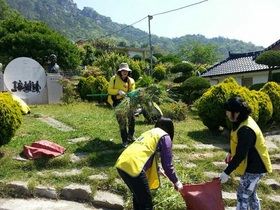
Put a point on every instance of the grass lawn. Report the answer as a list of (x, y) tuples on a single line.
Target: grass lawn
[(98, 124)]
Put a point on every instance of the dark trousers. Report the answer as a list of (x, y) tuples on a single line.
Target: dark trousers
[(124, 123), (142, 198)]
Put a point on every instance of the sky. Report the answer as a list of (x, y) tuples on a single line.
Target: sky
[(255, 21)]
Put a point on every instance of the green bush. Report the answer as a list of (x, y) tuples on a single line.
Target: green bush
[(144, 81), (100, 86), (10, 117), (136, 70), (272, 89), (256, 86), (184, 68), (169, 58), (175, 111), (193, 88), (93, 85), (180, 79), (276, 77), (210, 105), (69, 94), (86, 86), (265, 108), (159, 73), (251, 100)]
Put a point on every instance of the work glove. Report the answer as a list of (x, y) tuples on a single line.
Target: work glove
[(228, 158), (121, 93), (178, 186), (224, 177)]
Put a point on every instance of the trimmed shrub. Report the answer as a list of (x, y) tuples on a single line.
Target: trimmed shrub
[(86, 86), (265, 108), (185, 68), (175, 111), (10, 117), (180, 79), (136, 70), (93, 85), (100, 86), (250, 99), (159, 73), (257, 86), (194, 87), (210, 105), (272, 89)]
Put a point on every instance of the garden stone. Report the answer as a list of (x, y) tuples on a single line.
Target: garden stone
[(274, 198), (272, 183), (56, 124), (20, 189), (276, 167), (77, 140), (229, 196), (98, 177), (77, 156), (75, 192), (67, 173), (108, 200), (46, 192)]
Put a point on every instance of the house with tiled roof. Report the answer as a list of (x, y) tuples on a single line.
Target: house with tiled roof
[(242, 67)]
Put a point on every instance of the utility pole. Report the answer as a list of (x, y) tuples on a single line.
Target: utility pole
[(151, 47)]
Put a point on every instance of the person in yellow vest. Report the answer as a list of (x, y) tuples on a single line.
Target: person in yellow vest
[(119, 85), (248, 154), (140, 172)]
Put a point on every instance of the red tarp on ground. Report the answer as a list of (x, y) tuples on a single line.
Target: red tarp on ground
[(43, 148), (204, 196)]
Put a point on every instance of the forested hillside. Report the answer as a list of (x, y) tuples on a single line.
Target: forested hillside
[(75, 24)]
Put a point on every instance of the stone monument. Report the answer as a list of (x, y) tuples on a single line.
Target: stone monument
[(53, 81), (27, 79)]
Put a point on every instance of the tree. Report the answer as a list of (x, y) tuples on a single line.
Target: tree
[(169, 58), (21, 38), (197, 53), (5, 11), (270, 58), (185, 69), (194, 87), (89, 55)]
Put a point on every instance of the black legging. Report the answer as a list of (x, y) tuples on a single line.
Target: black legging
[(142, 199)]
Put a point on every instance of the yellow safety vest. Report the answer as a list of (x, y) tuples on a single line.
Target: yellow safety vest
[(259, 145), (115, 84), (133, 158)]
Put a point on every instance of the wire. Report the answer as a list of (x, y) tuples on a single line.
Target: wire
[(179, 8), (190, 5), (124, 28)]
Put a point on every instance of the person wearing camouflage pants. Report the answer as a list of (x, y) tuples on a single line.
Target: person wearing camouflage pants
[(248, 154), (247, 191)]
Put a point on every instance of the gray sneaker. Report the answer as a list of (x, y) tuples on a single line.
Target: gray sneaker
[(131, 138), (125, 144)]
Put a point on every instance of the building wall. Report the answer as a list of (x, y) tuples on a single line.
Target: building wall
[(258, 77)]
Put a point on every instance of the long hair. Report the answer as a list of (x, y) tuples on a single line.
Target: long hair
[(237, 104), (167, 125)]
